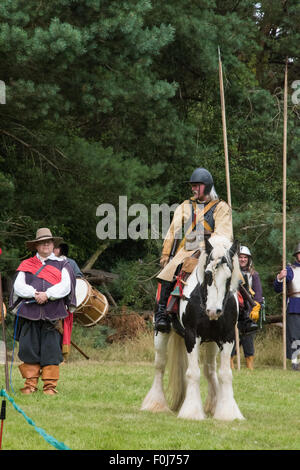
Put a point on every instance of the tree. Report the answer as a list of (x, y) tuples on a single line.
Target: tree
[(84, 115), (109, 98)]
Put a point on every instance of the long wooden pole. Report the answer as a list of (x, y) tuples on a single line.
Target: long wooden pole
[(237, 337), (4, 336), (224, 129), (284, 211)]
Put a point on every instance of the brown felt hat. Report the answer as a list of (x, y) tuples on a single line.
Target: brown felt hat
[(42, 234)]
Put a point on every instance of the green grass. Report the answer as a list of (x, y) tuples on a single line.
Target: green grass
[(98, 408)]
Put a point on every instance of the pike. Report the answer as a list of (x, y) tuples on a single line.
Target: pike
[(237, 339), (4, 336), (3, 403), (284, 212)]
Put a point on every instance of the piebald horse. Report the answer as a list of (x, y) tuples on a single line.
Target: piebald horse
[(208, 314)]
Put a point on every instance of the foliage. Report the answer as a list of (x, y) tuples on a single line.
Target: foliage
[(136, 286), (109, 98)]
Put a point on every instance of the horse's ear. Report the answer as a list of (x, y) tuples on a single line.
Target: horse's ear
[(235, 247), (208, 246)]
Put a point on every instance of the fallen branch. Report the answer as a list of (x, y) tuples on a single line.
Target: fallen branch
[(273, 319), (92, 260), (98, 276)]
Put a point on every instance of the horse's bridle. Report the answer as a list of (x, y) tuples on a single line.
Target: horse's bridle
[(204, 283)]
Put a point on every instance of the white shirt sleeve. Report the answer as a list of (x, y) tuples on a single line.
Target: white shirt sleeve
[(60, 290), (22, 289)]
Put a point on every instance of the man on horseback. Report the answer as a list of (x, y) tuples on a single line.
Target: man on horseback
[(201, 216)]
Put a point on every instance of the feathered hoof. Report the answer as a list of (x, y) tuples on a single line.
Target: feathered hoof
[(155, 406), (195, 415), (228, 413), (210, 407)]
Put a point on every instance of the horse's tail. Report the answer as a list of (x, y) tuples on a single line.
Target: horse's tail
[(177, 365)]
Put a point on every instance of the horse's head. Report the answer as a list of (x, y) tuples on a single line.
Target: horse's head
[(217, 277)]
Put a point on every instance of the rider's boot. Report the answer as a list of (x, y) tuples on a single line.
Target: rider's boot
[(161, 318)]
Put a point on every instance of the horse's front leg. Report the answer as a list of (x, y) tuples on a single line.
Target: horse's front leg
[(155, 400), (192, 405), (210, 371), (226, 408)]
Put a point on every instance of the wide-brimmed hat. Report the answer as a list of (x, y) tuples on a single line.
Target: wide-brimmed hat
[(42, 234)]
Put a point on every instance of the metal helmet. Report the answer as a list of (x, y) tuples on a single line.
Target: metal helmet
[(297, 249), (201, 175), (244, 251)]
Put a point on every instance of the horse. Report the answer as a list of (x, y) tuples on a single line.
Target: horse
[(208, 313)]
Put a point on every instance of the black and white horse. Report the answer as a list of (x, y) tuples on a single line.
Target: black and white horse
[(208, 313)]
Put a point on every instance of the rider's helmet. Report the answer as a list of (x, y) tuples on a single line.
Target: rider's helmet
[(201, 175)]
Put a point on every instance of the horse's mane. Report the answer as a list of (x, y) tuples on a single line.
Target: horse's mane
[(221, 246), (236, 274)]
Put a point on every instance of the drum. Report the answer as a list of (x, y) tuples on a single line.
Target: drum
[(91, 305)]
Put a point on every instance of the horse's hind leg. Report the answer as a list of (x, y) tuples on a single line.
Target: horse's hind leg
[(155, 400), (192, 405), (210, 372), (226, 408)]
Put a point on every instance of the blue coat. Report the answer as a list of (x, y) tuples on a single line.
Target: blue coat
[(293, 303)]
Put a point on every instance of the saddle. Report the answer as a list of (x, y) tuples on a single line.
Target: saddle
[(187, 268)]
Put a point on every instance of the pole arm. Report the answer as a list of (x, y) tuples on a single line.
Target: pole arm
[(224, 125), (284, 164), (4, 336), (223, 110)]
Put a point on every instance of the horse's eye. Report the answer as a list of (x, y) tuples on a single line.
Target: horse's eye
[(208, 277)]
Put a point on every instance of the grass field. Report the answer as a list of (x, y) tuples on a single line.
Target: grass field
[(98, 404)]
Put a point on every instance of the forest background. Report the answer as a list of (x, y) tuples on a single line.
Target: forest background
[(109, 97)]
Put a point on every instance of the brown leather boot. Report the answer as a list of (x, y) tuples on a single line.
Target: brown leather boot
[(50, 376), (31, 373), (250, 362), (232, 362)]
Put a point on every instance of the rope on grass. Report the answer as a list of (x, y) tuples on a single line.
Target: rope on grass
[(51, 440)]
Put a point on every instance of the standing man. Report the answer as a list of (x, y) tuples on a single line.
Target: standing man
[(42, 292), (203, 215), (248, 315), (292, 275)]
